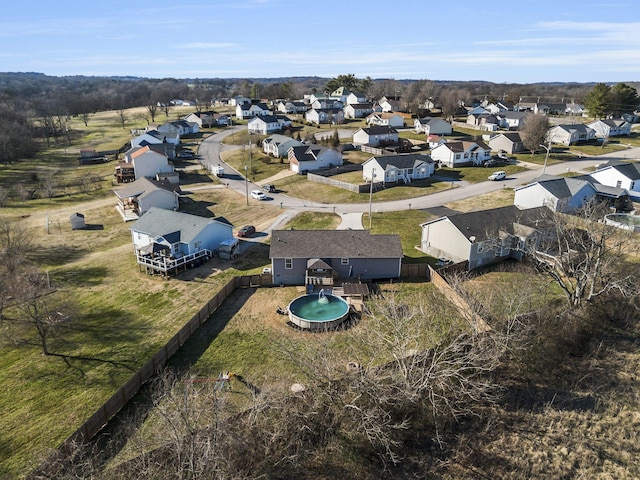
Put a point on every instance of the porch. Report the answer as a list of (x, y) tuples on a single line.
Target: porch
[(156, 261)]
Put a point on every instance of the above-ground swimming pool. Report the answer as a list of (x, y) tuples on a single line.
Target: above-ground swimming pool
[(318, 311), (623, 220)]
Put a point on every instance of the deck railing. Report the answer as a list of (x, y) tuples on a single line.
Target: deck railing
[(165, 264)]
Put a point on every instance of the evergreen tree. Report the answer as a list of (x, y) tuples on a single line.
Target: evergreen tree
[(624, 99), (598, 101)]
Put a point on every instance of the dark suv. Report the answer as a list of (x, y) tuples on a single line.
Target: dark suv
[(246, 231)]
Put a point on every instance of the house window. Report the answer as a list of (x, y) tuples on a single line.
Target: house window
[(344, 261), (619, 183), (176, 248), (288, 263), (197, 245)]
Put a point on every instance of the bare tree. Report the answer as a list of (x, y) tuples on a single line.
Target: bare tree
[(122, 116), (152, 110), (585, 257), (534, 132)]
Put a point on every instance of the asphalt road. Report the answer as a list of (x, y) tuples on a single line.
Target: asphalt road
[(212, 147)]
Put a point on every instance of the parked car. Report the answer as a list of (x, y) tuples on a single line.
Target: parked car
[(500, 175), (258, 195), (269, 188), (246, 231), (186, 154)]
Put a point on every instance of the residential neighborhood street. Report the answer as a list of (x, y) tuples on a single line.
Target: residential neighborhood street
[(212, 147)]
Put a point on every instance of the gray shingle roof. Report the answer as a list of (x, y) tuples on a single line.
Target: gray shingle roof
[(403, 161), (159, 222), (484, 224), (333, 244)]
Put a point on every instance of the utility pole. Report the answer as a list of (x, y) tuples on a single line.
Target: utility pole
[(246, 184), (373, 175)]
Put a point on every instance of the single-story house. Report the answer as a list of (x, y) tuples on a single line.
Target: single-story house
[(278, 145), (266, 124), (510, 120), (322, 103), (251, 109), (463, 153), (509, 142), (434, 140), (357, 110), (624, 175), (307, 158), (165, 241), (396, 168), (486, 236), (559, 194), (389, 119), (324, 115), (570, 134), (326, 257), (610, 127), (138, 197), (432, 126), (375, 135), (156, 137), (292, 107), (182, 127)]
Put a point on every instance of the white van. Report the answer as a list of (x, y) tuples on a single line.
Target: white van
[(501, 175)]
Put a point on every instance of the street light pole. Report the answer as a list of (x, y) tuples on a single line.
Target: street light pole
[(546, 157), (246, 184)]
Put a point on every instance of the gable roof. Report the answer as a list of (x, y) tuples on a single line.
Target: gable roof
[(159, 222), (307, 153), (402, 161), (629, 170), (333, 244), (378, 130), (484, 224), (145, 185)]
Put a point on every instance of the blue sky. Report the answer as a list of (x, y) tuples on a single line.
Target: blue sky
[(521, 41)]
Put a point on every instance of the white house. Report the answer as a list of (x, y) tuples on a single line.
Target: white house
[(396, 168), (250, 110), (391, 105), (292, 107), (138, 197), (357, 110), (455, 154), (621, 175), (375, 135), (432, 126), (570, 134), (356, 97), (324, 115), (326, 102), (278, 145), (142, 162), (610, 128), (387, 119), (165, 241), (558, 194), (305, 158), (153, 137), (486, 236), (510, 120), (266, 124)]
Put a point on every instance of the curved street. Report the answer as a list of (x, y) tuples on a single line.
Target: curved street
[(212, 147)]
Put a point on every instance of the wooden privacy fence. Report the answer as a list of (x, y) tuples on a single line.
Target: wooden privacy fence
[(121, 397)]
